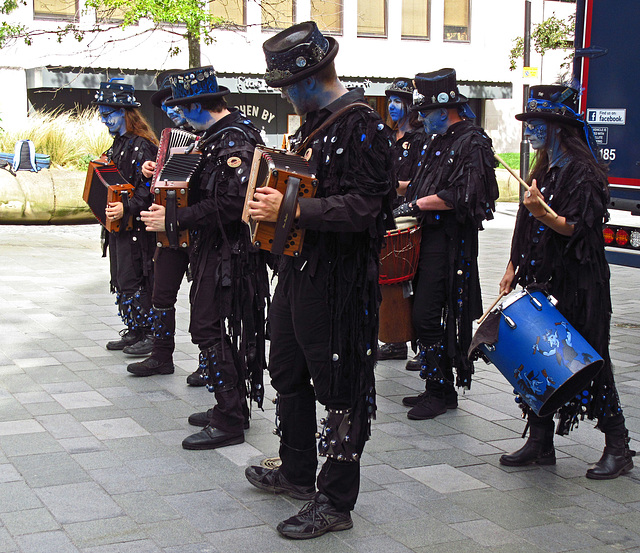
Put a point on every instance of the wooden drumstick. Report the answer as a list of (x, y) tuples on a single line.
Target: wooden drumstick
[(484, 315), (526, 186)]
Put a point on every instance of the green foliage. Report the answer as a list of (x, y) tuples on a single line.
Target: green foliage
[(552, 34)]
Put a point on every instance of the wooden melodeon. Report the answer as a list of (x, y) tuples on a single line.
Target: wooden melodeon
[(289, 174), (104, 184), (176, 163)]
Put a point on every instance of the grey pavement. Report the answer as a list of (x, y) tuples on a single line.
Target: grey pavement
[(91, 461)]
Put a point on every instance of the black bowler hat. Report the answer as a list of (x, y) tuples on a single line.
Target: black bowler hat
[(401, 87), (116, 94), (296, 53), (558, 103), (164, 87), (437, 89), (194, 85)]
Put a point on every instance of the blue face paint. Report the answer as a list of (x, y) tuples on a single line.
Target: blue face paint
[(200, 119), (114, 119), (396, 108), (298, 95), (536, 131), (172, 113), (434, 121)]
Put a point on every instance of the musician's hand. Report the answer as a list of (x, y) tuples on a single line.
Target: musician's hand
[(506, 284), (148, 167), (532, 199), (265, 205), (154, 218), (114, 211)]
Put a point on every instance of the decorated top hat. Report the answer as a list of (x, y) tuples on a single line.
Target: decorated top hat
[(194, 85), (401, 87), (164, 87), (116, 94), (437, 89), (557, 103), (296, 53)]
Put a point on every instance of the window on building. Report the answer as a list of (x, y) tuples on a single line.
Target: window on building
[(456, 20), (229, 10), (415, 18), (328, 15), (66, 9), (372, 17), (278, 14)]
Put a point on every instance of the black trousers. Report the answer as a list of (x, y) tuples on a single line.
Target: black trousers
[(170, 266), (430, 290), (299, 366), (126, 261), (208, 332)]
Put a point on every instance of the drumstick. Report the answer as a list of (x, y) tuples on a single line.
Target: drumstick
[(484, 315), (526, 186)]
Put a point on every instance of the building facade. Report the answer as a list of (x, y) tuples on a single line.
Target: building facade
[(379, 40)]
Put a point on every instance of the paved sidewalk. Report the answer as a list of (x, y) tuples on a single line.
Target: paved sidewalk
[(90, 457)]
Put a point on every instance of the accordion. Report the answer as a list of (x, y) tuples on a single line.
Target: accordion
[(175, 165), (105, 184), (289, 174)]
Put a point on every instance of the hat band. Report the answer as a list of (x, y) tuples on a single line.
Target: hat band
[(543, 106), (302, 56)]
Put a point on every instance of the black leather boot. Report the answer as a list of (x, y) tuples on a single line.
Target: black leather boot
[(617, 458), (538, 448)]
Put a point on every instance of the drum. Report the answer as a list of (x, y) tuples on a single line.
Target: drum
[(536, 349), (395, 314), (400, 252)]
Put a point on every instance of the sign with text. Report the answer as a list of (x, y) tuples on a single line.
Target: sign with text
[(599, 116)]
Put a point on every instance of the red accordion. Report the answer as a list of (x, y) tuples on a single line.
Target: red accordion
[(105, 184)]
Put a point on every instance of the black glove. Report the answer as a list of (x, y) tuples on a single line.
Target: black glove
[(409, 209)]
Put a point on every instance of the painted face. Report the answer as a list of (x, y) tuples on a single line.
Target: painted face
[(536, 131), (434, 121), (114, 119), (296, 95), (193, 114), (173, 114), (396, 108)]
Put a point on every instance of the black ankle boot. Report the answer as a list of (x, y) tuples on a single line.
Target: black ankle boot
[(617, 458), (538, 448)]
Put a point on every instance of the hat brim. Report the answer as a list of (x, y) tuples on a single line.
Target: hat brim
[(304, 73), (459, 100), (554, 117), (160, 95), (186, 100), (404, 95)]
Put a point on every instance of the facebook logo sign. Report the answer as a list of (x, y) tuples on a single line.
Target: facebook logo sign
[(592, 116)]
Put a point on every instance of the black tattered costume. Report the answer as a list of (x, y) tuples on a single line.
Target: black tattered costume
[(131, 251), (408, 152), (230, 284), (574, 270), (458, 167), (323, 317)]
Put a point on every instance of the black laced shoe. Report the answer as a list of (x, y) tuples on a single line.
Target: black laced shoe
[(203, 419), (151, 366), (396, 350), (197, 378), (429, 406), (141, 348), (315, 519), (271, 480), (212, 438), (450, 399), (128, 337), (414, 364)]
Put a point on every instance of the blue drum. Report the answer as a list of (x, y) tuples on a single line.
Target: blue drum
[(536, 349)]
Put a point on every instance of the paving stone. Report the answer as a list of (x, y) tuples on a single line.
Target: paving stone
[(29, 521), (56, 541), (81, 502), (256, 538), (49, 469), (104, 531)]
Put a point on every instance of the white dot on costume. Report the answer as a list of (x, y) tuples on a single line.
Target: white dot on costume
[(459, 272), (339, 151), (335, 357), (369, 352), (380, 126)]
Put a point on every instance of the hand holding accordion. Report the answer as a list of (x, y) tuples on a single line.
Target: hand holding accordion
[(289, 174)]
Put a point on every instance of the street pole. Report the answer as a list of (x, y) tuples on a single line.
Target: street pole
[(524, 144)]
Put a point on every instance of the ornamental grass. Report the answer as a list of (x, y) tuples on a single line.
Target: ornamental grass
[(71, 138)]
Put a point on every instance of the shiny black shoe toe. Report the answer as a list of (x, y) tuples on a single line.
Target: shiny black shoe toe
[(272, 480), (212, 438)]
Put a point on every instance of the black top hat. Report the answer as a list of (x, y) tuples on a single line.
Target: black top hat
[(553, 102), (437, 89), (116, 94), (164, 87), (296, 53), (194, 85), (401, 87)]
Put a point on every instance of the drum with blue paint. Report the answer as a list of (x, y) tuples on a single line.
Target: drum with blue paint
[(536, 349)]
